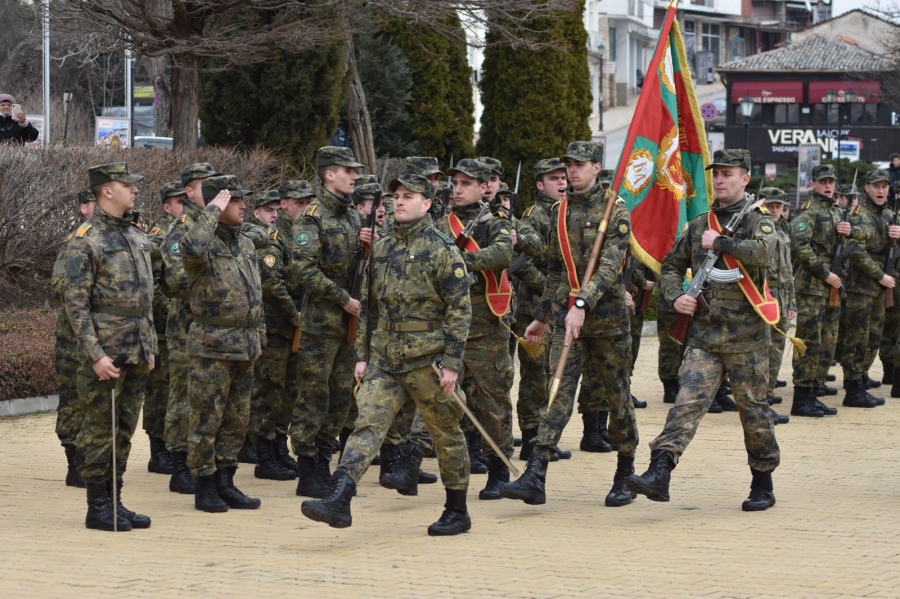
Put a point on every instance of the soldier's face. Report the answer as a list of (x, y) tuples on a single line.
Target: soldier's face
[(878, 191), (364, 208), (119, 197), (409, 206), (505, 201), (729, 183), (776, 210), (267, 213), (87, 209), (824, 186), (582, 175), (174, 206), (380, 214), (467, 190), (193, 193), (493, 187), (435, 179), (234, 212), (293, 207), (341, 180), (553, 184)]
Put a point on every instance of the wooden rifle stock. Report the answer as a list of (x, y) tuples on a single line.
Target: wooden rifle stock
[(359, 268), (679, 330), (295, 344), (645, 300)]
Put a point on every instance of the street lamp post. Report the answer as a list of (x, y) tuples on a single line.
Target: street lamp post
[(601, 49), (833, 97), (67, 97), (746, 112)]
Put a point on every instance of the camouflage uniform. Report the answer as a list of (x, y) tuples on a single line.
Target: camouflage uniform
[(671, 353), (416, 278), (487, 373), (781, 286), (728, 339), (226, 333), (325, 238), (109, 299)]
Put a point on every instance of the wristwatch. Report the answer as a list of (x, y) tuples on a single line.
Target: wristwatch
[(580, 303)]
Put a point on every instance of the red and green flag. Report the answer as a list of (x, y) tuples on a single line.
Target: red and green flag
[(661, 172)]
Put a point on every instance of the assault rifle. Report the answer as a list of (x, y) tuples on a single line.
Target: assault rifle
[(707, 272), (841, 253), (463, 238), (360, 261)]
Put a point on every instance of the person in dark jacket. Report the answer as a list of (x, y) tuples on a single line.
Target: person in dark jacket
[(14, 128), (894, 172)]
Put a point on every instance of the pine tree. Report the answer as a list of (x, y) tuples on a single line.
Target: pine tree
[(536, 101)]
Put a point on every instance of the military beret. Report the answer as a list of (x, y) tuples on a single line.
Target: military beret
[(547, 165), (739, 158), (267, 197), (823, 171), (879, 174), (773, 195), (85, 195), (584, 151), (198, 170), (213, 185), (422, 165), (413, 182), (330, 155), (171, 189), (492, 163), (472, 168), (295, 189), (114, 171)]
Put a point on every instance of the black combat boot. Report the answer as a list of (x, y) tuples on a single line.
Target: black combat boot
[(638, 403), (888, 377), (230, 494), (497, 473), (654, 483), (283, 454), (137, 520), (855, 396), (73, 477), (530, 486), (100, 512), (268, 467), (779, 419), (528, 437), (206, 498), (895, 387), (724, 400), (476, 463), (602, 426), (761, 496), (334, 509), (830, 378), (181, 481), (780, 383), (389, 460), (726, 386), (561, 454), (670, 390), (415, 456), (620, 494), (870, 382), (818, 405), (160, 460), (310, 483), (825, 391), (591, 439), (247, 453), (323, 464), (517, 441), (802, 404), (455, 519), (774, 400), (714, 407), (403, 475), (879, 401)]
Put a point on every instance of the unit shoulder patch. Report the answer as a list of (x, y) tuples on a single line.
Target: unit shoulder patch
[(766, 228), (800, 226), (623, 227), (459, 272), (302, 239), (269, 260)]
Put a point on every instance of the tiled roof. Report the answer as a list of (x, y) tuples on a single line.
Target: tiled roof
[(817, 53)]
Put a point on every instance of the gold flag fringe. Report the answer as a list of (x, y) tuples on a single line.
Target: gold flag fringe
[(799, 344), (533, 350)]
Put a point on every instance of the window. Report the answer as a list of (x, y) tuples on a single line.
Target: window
[(710, 39), (612, 44), (825, 114), (788, 114), (863, 114), (755, 116)]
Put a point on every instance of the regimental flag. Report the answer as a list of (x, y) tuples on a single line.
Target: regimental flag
[(661, 172)]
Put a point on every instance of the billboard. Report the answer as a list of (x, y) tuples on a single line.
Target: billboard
[(112, 132)]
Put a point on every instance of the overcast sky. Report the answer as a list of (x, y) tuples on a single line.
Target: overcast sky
[(839, 7)]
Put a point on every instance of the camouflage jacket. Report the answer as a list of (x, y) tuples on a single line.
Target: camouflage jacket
[(495, 254), (537, 217), (528, 240), (225, 290), (813, 237), (63, 332), (108, 270), (781, 278), (180, 317), (730, 325), (605, 292), (416, 275), (867, 263), (325, 238), (157, 236), (281, 314)]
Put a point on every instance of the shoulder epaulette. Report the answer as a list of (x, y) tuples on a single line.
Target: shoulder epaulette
[(155, 230), (273, 233), (500, 211), (137, 226), (528, 212), (763, 209), (183, 218), (84, 228), (444, 237), (311, 210), (806, 205), (856, 210)]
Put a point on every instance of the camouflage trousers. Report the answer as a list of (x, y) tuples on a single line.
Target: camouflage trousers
[(607, 361), (381, 396), (670, 351), (700, 376), (890, 335), (95, 439), (817, 325), (533, 379), (68, 414), (270, 405), (219, 394), (326, 369), (409, 427), (863, 320), (637, 327), (776, 354), (156, 400), (486, 379), (178, 411)]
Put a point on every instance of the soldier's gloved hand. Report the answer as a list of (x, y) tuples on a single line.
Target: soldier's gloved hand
[(834, 280), (894, 231), (352, 307), (843, 228), (448, 380), (104, 369), (709, 236), (888, 281), (534, 333), (360, 370), (685, 304)]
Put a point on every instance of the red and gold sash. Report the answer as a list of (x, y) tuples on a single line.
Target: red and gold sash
[(498, 292), (565, 249), (763, 303)]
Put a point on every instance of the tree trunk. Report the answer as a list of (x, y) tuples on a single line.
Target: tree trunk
[(358, 121), (156, 69), (185, 101)]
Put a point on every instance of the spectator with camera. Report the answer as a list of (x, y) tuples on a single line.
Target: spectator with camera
[(14, 125)]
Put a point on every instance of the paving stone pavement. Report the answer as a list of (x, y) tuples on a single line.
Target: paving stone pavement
[(833, 533)]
